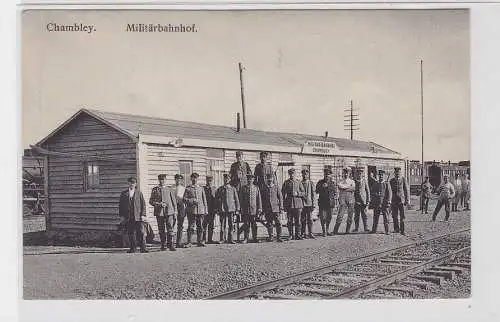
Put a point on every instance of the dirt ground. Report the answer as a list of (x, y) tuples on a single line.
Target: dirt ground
[(98, 273)]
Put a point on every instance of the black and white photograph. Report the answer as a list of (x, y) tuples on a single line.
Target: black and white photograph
[(246, 154)]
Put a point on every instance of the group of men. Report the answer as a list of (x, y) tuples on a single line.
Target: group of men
[(450, 195), (246, 198)]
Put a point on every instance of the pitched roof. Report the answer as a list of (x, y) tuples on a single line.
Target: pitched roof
[(133, 125)]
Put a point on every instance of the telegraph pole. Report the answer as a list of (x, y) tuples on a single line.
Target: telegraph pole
[(241, 68), (422, 127), (349, 120)]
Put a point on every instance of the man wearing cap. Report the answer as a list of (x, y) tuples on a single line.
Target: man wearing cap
[(262, 169), (400, 195), (251, 208), (293, 192), (457, 184), (239, 171), (196, 209), (346, 186), (466, 191), (179, 190), (208, 223), (446, 192), (327, 191), (228, 204), (132, 208), (380, 202), (164, 204), (426, 195), (272, 205), (361, 199), (308, 200)]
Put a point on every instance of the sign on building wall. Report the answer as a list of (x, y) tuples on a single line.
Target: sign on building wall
[(319, 147)]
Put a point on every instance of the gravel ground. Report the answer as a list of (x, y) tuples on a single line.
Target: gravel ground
[(94, 273)]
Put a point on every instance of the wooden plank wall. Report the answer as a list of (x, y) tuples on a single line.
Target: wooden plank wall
[(71, 208)]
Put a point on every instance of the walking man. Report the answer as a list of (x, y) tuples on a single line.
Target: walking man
[(196, 209), (327, 191), (272, 205), (426, 195), (361, 199), (132, 208), (347, 186), (458, 192), (228, 203), (400, 196), (179, 190), (251, 208), (446, 193), (164, 204), (293, 192), (380, 202), (309, 201), (208, 223)]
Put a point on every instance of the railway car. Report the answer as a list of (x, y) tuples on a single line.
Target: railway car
[(435, 170)]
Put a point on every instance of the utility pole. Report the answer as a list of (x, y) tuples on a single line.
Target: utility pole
[(349, 120), (241, 68), (422, 127)]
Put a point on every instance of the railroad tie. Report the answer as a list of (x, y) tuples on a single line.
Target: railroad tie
[(312, 290), (401, 261), (358, 273), (460, 264), (321, 283), (445, 274), (394, 264), (454, 269), (422, 285), (398, 289), (433, 279)]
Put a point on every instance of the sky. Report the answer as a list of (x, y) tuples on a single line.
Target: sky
[(301, 70)]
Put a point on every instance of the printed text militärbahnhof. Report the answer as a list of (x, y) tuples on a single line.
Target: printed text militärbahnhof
[(156, 27)]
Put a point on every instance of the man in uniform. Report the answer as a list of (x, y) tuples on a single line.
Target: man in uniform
[(179, 190), (251, 208), (458, 192), (309, 200), (327, 191), (239, 171), (426, 195), (164, 204), (132, 208), (466, 192), (272, 205), (380, 202), (346, 186), (196, 209), (446, 193), (361, 199), (228, 203), (293, 192), (262, 169), (208, 223), (400, 195)]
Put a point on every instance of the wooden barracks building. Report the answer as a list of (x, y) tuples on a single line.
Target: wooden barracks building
[(91, 155)]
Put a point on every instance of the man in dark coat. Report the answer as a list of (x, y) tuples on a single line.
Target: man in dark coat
[(228, 204), (309, 201), (293, 192), (164, 204), (251, 208), (239, 171), (132, 208), (262, 169), (210, 217), (196, 209), (400, 196), (179, 190), (272, 205), (380, 202), (361, 199), (328, 194)]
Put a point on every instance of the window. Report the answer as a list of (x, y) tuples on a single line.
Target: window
[(186, 169), (215, 165), (91, 181)]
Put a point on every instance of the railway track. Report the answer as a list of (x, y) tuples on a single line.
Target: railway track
[(394, 273)]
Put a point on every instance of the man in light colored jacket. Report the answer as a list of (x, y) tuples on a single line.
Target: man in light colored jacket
[(346, 201), (361, 199), (446, 192), (196, 209)]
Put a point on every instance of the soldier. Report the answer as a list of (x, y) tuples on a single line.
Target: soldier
[(380, 201), (327, 191), (251, 208), (228, 205), (346, 201), (309, 200), (446, 192), (239, 171), (132, 208), (196, 209), (466, 192), (262, 169), (361, 199), (209, 219), (400, 195), (426, 195), (293, 192), (457, 184), (272, 204), (181, 206), (164, 204)]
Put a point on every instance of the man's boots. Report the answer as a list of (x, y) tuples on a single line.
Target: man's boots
[(189, 236), (365, 225), (170, 244), (336, 229), (348, 228), (309, 228), (254, 234)]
